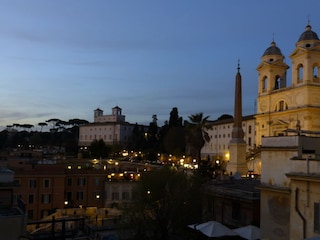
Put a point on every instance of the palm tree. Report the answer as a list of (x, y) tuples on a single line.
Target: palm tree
[(196, 134)]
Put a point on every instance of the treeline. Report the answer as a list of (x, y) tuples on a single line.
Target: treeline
[(177, 137), (61, 133)]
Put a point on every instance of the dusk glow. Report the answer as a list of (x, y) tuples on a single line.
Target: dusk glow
[(63, 59)]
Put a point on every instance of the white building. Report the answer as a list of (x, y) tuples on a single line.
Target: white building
[(220, 137), (112, 129)]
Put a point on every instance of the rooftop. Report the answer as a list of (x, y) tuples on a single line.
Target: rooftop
[(245, 188)]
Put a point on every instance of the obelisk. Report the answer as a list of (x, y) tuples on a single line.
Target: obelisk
[(237, 145)]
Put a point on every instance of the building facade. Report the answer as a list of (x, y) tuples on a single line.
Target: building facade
[(13, 220), (287, 133), (112, 129), (220, 133), (47, 186), (282, 105), (290, 183)]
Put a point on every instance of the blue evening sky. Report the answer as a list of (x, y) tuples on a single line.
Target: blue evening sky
[(65, 58)]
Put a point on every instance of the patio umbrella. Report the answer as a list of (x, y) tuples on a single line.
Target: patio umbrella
[(214, 229), (249, 232)]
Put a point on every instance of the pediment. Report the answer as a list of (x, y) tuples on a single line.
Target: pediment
[(279, 122), (271, 64)]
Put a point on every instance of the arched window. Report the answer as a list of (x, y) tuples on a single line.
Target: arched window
[(315, 71), (281, 106), (300, 73), (264, 83), (277, 84)]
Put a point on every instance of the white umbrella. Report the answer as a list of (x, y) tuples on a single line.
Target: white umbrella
[(193, 226), (214, 229), (249, 232)]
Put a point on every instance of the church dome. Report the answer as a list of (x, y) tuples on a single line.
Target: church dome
[(308, 34), (272, 50)]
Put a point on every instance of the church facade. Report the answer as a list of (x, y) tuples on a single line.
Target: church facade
[(284, 108)]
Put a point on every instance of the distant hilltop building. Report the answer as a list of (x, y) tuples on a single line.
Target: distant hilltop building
[(116, 115), (112, 129)]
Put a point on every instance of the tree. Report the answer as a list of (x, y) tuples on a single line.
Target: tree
[(166, 201), (225, 116), (77, 122), (175, 120), (54, 122), (196, 133), (172, 134), (99, 149), (42, 124)]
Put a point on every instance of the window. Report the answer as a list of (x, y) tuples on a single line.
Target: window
[(264, 84), (30, 198), (115, 196), (79, 195), (97, 181), (125, 196), (300, 73), (249, 141), (45, 198), (316, 218), (249, 129), (281, 106), (81, 181), (69, 181), (315, 71), (32, 183), (277, 84), (69, 196), (46, 183)]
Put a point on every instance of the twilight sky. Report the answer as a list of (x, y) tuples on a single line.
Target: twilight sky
[(65, 58)]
